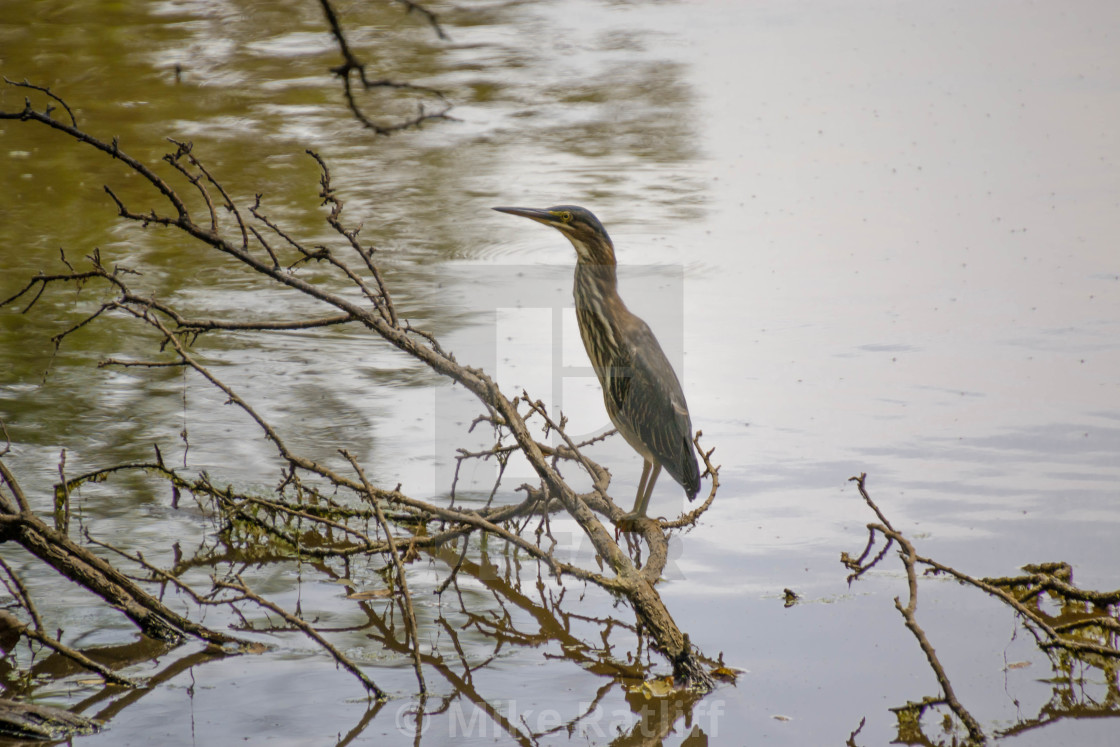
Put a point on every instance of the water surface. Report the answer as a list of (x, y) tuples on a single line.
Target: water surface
[(875, 237)]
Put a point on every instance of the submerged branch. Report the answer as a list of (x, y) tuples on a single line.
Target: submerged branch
[(239, 586)]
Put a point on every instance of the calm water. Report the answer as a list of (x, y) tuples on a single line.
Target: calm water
[(875, 238)]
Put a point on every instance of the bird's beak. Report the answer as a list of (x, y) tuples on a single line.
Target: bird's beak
[(540, 216)]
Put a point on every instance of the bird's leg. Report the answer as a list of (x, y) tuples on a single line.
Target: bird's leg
[(642, 501), (646, 464), (650, 471)]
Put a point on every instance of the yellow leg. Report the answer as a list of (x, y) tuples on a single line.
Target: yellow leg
[(641, 485), (643, 497), (650, 471)]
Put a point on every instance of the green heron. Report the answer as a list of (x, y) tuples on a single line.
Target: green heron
[(640, 389)]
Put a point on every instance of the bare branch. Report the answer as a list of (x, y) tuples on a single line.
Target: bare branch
[(19, 593), (17, 492), (405, 597), (11, 622), (710, 470), (433, 19), (351, 63), (625, 577), (47, 91), (113, 150), (909, 561), (239, 586)]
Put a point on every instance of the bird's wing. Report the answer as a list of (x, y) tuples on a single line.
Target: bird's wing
[(648, 396)]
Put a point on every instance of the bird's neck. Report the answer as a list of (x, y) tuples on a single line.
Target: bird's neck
[(599, 311), (596, 280)]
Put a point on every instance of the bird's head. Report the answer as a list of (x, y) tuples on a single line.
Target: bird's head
[(580, 225)]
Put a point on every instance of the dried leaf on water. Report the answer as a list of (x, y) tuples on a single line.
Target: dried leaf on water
[(659, 687)]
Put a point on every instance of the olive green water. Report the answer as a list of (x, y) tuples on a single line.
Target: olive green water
[(875, 237)]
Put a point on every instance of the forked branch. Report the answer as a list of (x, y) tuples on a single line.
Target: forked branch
[(249, 247)]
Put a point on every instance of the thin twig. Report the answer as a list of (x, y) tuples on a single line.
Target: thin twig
[(297, 622), (19, 593), (13, 485), (47, 91), (351, 63), (909, 561), (433, 19), (689, 519), (405, 597)]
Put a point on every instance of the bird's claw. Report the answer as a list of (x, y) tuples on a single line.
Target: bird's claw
[(628, 523)]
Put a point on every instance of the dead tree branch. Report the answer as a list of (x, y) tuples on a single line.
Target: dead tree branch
[(239, 586), (432, 18), (909, 561), (351, 64), (10, 622), (1092, 611), (405, 597), (248, 248), (92, 572)]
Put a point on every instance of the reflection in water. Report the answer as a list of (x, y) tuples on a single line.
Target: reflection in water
[(1083, 647), (488, 607), (535, 617), (1081, 639)]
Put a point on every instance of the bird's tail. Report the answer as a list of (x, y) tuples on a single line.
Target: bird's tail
[(689, 472)]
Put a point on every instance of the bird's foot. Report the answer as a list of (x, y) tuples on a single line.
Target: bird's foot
[(629, 523)]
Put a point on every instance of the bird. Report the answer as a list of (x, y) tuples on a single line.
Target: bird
[(642, 394)]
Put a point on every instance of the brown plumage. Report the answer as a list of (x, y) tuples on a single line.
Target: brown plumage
[(640, 389)]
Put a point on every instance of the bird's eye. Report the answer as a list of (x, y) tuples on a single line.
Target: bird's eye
[(566, 216)]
